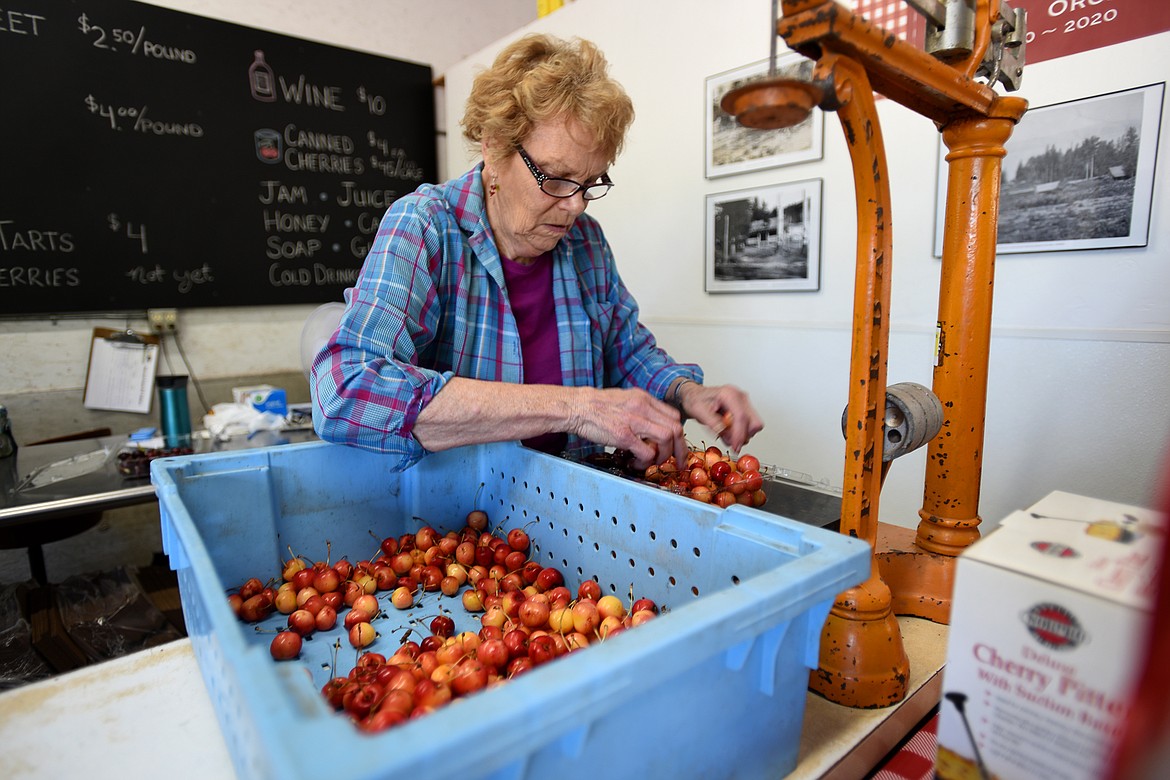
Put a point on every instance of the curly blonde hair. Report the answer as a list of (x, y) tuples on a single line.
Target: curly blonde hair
[(540, 78)]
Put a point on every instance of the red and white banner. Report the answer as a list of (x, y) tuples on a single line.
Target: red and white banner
[(1056, 28)]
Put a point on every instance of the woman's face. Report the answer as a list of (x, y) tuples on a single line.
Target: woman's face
[(527, 222)]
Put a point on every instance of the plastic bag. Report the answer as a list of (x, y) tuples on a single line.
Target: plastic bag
[(228, 420), (19, 661), (108, 616)]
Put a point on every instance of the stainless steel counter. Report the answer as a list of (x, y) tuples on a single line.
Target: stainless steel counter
[(90, 480)]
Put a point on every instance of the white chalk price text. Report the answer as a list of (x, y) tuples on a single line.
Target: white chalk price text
[(133, 40)]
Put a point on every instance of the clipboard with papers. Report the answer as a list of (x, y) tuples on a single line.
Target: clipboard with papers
[(120, 376)]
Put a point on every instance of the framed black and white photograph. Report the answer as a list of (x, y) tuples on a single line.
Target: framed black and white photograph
[(765, 239), (732, 148), (1077, 176)]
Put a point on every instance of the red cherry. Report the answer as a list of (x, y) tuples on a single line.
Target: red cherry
[(724, 498), (753, 480), (549, 578), (251, 588), (518, 539), (515, 560), (443, 626), (541, 649), (589, 589), (644, 603)]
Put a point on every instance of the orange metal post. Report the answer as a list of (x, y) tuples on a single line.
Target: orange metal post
[(975, 123), (919, 566), (862, 616), (949, 514)]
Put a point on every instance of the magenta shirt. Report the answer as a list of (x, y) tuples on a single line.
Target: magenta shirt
[(530, 294)]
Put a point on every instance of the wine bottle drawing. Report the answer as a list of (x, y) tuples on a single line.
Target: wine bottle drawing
[(261, 80)]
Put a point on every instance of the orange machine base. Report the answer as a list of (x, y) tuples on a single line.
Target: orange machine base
[(863, 663), (920, 581)]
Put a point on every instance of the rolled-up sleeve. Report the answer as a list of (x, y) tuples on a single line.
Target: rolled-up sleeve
[(367, 385)]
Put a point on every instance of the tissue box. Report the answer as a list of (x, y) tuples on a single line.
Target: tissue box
[(1049, 617), (262, 398)]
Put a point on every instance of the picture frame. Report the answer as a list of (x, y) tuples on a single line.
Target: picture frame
[(732, 148), (764, 239), (1078, 175)]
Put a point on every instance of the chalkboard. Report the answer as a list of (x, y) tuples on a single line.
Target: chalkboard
[(153, 158)]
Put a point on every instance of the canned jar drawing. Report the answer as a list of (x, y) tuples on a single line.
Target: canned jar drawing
[(268, 148)]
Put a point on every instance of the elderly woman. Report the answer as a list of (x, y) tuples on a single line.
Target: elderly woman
[(489, 307)]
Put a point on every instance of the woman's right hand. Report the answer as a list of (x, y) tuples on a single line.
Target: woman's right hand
[(725, 409)]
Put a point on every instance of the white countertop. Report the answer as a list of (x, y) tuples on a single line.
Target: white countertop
[(145, 715), (148, 715)]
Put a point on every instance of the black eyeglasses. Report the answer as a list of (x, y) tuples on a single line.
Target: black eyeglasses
[(565, 188)]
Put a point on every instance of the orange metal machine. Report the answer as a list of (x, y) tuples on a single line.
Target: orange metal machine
[(971, 46)]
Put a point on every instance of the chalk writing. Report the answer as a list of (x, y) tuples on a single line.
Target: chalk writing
[(131, 232), (136, 40), (33, 239)]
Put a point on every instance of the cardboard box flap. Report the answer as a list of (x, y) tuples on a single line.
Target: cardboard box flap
[(1098, 547)]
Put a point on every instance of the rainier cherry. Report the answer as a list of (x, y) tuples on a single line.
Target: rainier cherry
[(641, 616), (748, 463), (470, 676), (611, 606), (402, 597), (367, 603), (302, 621), (286, 600), (362, 635), (285, 645), (533, 613), (326, 619), (585, 617), (355, 616), (477, 519), (472, 601)]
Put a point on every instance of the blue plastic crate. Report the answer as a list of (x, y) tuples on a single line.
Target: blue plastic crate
[(715, 687)]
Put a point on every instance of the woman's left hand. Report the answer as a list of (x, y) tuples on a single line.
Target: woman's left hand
[(725, 409)]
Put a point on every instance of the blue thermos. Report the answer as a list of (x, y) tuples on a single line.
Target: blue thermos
[(173, 411)]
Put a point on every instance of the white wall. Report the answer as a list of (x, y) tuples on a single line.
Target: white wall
[(1080, 365), (223, 342)]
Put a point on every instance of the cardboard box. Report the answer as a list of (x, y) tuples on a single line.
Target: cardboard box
[(1048, 624)]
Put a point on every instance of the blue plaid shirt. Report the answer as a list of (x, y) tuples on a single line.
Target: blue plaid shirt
[(431, 303)]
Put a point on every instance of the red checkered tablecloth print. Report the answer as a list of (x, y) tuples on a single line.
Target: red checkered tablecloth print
[(915, 759), (893, 16)]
